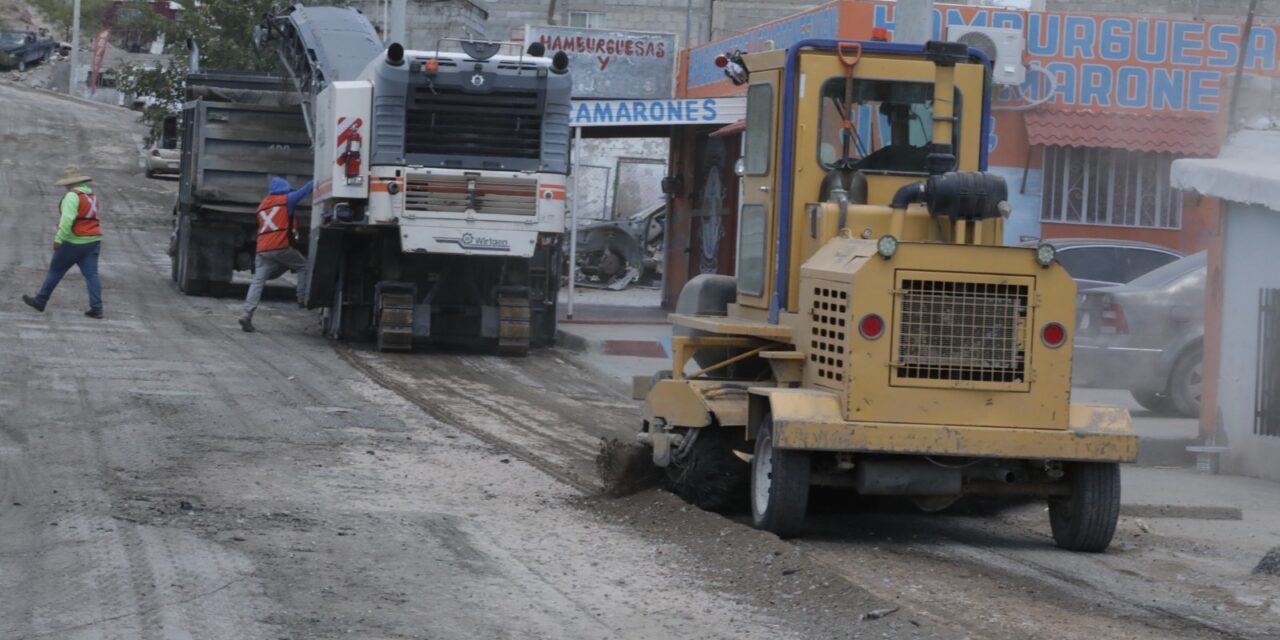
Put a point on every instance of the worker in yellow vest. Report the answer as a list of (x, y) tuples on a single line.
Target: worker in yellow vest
[(275, 254), (77, 243)]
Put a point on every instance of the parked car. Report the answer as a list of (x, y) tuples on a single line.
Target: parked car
[(24, 47), (164, 155), (1146, 336), (1095, 263)]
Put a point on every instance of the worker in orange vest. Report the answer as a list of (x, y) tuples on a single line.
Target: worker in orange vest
[(275, 255), (77, 243)]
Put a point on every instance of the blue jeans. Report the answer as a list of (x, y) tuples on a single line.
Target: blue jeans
[(70, 255)]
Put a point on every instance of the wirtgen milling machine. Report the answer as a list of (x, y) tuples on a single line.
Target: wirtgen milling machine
[(439, 200), (877, 335)]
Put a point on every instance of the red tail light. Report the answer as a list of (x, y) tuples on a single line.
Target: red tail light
[(1112, 319), (871, 326), (155, 152), (1054, 334), (722, 61)]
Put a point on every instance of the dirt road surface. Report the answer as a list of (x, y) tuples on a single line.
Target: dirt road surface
[(164, 475)]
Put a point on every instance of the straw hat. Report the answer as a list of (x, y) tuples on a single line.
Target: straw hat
[(71, 175)]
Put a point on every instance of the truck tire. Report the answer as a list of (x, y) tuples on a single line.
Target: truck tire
[(1086, 519), (188, 281), (342, 321), (707, 474), (1185, 382), (173, 256), (779, 485)]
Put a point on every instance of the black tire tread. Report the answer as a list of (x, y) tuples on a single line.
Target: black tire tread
[(1157, 403), (711, 477), (1086, 520), (1181, 403), (789, 489)]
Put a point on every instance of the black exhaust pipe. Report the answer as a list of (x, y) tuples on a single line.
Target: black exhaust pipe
[(395, 54)]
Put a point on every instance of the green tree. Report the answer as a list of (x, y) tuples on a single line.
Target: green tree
[(61, 13), (222, 30)]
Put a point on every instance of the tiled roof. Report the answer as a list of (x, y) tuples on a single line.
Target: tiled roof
[(1186, 135)]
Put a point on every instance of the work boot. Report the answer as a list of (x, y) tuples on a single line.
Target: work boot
[(94, 313), (33, 303), (246, 323)]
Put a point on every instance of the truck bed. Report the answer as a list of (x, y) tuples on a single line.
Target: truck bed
[(238, 131)]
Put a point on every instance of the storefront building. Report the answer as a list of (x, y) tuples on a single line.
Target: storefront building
[(1086, 143)]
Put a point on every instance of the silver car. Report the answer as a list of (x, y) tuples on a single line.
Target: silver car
[(164, 155), (1146, 336), (1098, 262)]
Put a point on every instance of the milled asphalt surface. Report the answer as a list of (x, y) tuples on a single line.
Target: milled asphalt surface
[(163, 475)]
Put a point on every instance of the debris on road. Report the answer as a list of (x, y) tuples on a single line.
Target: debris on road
[(1270, 563), (625, 468), (876, 614)]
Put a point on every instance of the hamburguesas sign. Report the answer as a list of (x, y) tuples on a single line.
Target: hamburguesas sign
[(613, 64), (607, 47)]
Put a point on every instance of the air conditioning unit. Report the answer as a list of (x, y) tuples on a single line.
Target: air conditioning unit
[(1003, 46)]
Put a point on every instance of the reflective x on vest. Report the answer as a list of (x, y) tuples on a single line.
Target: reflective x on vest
[(273, 223), (86, 223)]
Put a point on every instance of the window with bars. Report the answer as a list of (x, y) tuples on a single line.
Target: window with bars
[(586, 19), (1115, 187)]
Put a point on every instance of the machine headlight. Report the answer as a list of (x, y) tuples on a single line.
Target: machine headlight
[(886, 246), (1045, 254)]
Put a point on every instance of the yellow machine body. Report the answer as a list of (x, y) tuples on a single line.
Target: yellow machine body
[(961, 367)]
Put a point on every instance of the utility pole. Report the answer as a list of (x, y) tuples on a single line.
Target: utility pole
[(913, 21), (399, 12), (1246, 40), (688, 25), (75, 48)]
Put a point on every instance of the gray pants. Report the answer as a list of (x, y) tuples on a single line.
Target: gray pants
[(270, 265)]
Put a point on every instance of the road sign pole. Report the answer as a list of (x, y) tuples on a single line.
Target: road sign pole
[(574, 206)]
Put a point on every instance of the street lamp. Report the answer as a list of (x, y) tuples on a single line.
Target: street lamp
[(75, 47)]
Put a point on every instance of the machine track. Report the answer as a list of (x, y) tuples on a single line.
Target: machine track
[(395, 317), (513, 324)]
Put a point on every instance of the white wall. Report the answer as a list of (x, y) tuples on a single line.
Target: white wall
[(599, 179), (1251, 235)]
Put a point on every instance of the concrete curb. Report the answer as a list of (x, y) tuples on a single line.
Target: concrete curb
[(1194, 512), (69, 98), (1166, 452), (571, 342)]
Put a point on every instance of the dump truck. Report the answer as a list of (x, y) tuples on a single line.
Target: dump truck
[(878, 336), (237, 130), (440, 182)]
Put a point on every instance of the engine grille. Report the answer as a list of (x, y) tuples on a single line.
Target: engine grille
[(961, 331), (446, 121), (829, 313), (459, 194)]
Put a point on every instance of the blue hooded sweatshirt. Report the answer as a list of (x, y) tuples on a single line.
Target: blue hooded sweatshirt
[(280, 186)]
